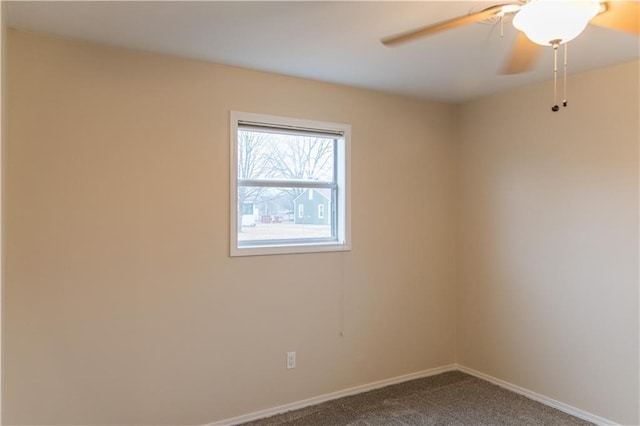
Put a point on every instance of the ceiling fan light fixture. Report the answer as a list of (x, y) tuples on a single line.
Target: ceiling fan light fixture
[(549, 22)]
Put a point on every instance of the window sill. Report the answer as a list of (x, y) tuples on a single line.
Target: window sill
[(289, 249)]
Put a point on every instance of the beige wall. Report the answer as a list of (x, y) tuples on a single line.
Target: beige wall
[(548, 241), (122, 305)]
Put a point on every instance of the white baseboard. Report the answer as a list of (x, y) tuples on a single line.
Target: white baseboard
[(537, 397), (417, 375), (333, 395)]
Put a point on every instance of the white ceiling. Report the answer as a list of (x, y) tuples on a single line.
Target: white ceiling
[(335, 41)]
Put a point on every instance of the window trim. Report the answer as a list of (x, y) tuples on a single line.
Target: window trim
[(342, 202)]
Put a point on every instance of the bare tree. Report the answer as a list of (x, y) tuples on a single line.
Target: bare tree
[(254, 161), (304, 158)]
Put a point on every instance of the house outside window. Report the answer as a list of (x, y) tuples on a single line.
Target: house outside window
[(314, 205), (291, 177)]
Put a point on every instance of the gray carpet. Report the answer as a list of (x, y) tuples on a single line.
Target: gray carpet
[(452, 398)]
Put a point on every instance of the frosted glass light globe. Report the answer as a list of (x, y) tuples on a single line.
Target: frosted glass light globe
[(548, 22)]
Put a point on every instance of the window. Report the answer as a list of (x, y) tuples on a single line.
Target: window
[(283, 173)]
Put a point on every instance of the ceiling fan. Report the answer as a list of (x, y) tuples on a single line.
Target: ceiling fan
[(540, 23)]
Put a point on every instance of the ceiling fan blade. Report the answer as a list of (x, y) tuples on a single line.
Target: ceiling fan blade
[(523, 56), (442, 26), (620, 16)]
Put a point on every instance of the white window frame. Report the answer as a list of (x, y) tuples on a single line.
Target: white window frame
[(342, 241)]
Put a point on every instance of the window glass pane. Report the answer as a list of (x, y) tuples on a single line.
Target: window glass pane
[(275, 156), (284, 214)]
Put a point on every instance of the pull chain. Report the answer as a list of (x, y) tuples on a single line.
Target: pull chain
[(555, 106), (564, 72)]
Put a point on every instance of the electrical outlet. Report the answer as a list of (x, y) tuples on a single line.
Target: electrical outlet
[(291, 360)]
